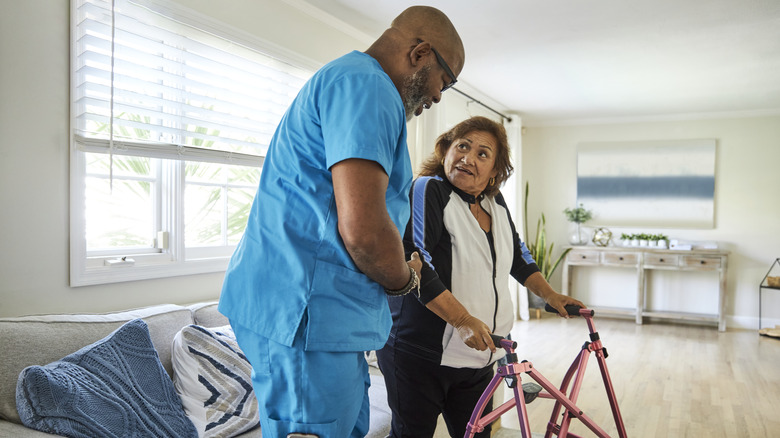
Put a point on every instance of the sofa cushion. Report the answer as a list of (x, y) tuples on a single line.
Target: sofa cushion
[(39, 340), (207, 314), (213, 378), (112, 388), (381, 415)]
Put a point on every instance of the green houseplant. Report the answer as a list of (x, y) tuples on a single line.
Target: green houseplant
[(577, 216), (540, 251)]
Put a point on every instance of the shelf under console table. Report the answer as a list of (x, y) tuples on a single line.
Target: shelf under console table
[(643, 258)]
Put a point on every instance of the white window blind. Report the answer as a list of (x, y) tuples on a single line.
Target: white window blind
[(165, 89)]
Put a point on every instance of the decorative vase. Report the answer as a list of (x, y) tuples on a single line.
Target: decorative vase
[(576, 236)]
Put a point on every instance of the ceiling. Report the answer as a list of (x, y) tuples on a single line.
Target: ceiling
[(563, 61)]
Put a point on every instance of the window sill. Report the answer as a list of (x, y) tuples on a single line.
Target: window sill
[(97, 273)]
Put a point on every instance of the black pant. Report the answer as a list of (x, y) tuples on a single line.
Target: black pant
[(419, 390)]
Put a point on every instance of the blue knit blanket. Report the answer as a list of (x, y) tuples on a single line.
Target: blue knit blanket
[(116, 387)]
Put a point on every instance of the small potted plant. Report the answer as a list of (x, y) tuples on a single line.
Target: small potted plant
[(625, 239), (661, 240), (644, 239), (653, 239), (577, 216)]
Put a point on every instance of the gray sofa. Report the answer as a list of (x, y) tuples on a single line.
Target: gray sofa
[(40, 340)]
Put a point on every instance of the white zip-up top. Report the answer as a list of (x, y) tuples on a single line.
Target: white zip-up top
[(461, 257)]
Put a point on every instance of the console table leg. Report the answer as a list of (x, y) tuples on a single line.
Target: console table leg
[(722, 301), (640, 292)]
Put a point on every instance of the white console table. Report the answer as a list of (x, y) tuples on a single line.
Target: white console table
[(644, 258)]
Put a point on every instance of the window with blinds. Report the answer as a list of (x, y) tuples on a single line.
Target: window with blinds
[(170, 121)]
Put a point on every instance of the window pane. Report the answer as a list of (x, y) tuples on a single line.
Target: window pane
[(100, 164), (239, 204), (204, 173), (240, 175), (203, 212), (212, 217), (121, 217)]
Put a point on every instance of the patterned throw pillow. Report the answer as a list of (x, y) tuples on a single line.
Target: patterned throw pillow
[(213, 378), (116, 387)]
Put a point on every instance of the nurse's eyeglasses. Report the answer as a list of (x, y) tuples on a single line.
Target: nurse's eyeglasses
[(443, 65)]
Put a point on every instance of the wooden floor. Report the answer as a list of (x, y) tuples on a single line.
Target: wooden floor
[(671, 380)]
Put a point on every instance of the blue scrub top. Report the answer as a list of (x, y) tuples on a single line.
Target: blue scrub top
[(291, 265)]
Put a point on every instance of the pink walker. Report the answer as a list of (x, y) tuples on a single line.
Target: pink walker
[(512, 370)]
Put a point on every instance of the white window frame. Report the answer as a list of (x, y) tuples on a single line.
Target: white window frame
[(90, 268)]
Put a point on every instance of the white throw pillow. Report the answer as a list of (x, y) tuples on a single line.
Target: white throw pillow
[(213, 379)]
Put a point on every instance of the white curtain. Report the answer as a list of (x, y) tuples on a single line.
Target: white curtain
[(513, 194)]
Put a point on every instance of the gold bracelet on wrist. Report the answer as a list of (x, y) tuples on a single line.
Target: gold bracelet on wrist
[(414, 282)]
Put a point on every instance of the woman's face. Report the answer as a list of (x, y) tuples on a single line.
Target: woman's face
[(470, 161)]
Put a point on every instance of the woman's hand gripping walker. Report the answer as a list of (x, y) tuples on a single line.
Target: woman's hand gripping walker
[(511, 373)]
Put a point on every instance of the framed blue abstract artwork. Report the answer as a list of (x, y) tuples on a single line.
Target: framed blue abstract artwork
[(667, 183)]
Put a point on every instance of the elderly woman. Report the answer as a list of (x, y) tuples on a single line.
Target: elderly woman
[(439, 357)]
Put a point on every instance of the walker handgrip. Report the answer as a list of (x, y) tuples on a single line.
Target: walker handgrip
[(497, 341), (571, 309)]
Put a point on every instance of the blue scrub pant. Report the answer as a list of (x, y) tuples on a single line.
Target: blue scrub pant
[(314, 392)]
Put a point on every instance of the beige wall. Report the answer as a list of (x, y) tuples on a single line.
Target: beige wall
[(747, 190)]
